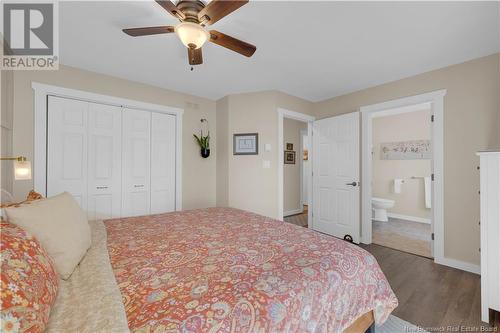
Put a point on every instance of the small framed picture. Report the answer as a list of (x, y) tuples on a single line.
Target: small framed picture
[(289, 157), (246, 144), (289, 146)]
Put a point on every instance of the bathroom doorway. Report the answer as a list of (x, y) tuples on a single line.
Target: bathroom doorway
[(402, 174), (401, 179)]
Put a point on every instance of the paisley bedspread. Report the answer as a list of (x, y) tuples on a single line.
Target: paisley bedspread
[(227, 270)]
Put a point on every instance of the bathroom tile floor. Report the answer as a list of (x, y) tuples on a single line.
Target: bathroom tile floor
[(407, 236)]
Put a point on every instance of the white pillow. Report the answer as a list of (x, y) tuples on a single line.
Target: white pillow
[(60, 225)]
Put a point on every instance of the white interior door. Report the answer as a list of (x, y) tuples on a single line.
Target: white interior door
[(104, 161), (67, 147), (162, 163), (136, 176), (336, 176)]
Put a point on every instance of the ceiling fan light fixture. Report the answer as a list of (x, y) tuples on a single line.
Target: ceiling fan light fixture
[(192, 35)]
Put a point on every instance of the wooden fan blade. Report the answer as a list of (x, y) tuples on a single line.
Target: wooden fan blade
[(171, 8), (217, 9), (135, 32), (195, 56), (231, 43)]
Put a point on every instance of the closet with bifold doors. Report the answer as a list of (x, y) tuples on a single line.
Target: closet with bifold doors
[(116, 161)]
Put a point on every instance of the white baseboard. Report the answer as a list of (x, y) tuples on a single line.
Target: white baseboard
[(293, 212), (458, 264), (409, 218)]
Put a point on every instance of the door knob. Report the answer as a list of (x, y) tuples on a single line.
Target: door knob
[(352, 184)]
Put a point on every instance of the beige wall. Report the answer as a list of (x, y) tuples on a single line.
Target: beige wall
[(7, 95), (223, 151), (198, 183), (471, 109), (291, 172), (402, 127), (472, 122), (249, 185)]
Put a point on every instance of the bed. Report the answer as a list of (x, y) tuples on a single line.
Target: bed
[(220, 270)]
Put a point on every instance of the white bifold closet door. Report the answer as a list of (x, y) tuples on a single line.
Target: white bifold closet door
[(67, 146), (84, 155), (115, 161), (136, 167), (162, 163), (104, 161)]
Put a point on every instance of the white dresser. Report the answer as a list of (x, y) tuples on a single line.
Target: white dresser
[(490, 232)]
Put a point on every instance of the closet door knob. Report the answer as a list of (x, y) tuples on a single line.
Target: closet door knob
[(352, 184)]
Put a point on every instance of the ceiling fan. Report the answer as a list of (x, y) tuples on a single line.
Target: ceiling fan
[(194, 15)]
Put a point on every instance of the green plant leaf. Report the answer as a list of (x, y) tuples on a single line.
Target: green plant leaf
[(203, 141)]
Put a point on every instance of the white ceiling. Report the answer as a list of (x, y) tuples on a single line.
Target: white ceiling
[(313, 50)]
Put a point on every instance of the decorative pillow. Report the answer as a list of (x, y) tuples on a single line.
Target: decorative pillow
[(60, 225), (29, 281), (32, 196)]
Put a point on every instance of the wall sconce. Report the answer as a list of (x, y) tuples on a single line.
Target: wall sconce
[(22, 167)]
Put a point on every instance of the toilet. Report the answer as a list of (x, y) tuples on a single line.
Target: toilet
[(379, 208)]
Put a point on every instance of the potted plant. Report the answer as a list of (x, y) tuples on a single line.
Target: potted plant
[(204, 143)]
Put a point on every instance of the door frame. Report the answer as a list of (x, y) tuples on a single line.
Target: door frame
[(282, 114), (436, 100), (303, 132), (42, 91)]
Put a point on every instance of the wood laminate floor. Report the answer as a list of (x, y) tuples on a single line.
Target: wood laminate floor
[(432, 296), (298, 219)]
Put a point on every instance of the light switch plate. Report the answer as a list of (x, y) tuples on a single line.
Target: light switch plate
[(266, 164), (267, 147)]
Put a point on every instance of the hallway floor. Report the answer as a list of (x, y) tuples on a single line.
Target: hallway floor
[(298, 219), (403, 235)]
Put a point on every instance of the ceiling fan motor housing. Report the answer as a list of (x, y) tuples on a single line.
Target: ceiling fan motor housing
[(190, 9)]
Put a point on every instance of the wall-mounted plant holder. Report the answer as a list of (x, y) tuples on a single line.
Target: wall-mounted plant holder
[(205, 152), (204, 140)]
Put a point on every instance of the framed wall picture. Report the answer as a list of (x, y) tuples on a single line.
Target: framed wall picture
[(246, 144), (289, 146), (289, 157), (305, 153), (406, 150)]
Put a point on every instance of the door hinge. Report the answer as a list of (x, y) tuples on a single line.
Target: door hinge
[(432, 236), (432, 177), (432, 118)]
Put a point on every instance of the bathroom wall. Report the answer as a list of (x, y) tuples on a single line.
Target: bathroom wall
[(402, 127)]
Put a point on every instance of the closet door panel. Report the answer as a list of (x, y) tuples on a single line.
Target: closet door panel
[(163, 138), (136, 195), (104, 160), (67, 148)]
